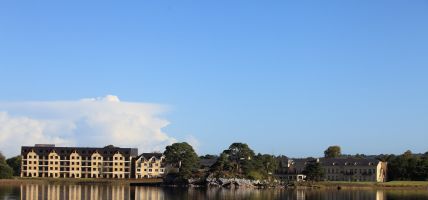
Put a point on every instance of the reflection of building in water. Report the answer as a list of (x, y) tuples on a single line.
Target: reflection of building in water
[(300, 194), (74, 192), (149, 193), (380, 195)]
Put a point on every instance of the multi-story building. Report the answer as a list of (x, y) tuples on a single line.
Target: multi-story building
[(77, 162), (354, 169), (150, 165), (335, 169)]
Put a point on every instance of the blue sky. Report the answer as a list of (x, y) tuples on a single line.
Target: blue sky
[(286, 77)]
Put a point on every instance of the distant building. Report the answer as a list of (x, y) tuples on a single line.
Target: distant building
[(205, 164), (335, 169), (150, 165), (291, 170), (354, 169), (77, 162)]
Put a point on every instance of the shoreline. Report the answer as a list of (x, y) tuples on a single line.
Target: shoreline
[(392, 185), (80, 181)]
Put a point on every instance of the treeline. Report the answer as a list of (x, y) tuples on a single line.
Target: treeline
[(407, 166), (238, 161), (9, 167)]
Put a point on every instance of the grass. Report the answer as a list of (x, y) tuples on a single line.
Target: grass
[(404, 184), (391, 184)]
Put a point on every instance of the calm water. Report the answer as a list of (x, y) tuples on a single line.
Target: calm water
[(95, 192)]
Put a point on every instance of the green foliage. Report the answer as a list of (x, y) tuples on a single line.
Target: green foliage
[(5, 171), (15, 164), (2, 158), (333, 152), (239, 160), (408, 167), (208, 156), (183, 156), (266, 164), (256, 175), (313, 171)]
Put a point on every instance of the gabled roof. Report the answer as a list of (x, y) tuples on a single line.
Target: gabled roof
[(148, 156), (108, 151), (348, 161), (207, 162)]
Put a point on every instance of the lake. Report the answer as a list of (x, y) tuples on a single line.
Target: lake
[(117, 192)]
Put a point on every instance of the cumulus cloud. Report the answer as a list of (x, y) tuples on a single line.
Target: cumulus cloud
[(86, 122)]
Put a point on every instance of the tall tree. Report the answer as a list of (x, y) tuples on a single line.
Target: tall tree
[(333, 152), (15, 163), (313, 171), (5, 170), (242, 156), (183, 156)]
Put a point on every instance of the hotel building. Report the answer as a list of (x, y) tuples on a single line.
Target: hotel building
[(150, 165), (354, 169), (77, 162)]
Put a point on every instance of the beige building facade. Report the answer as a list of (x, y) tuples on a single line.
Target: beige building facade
[(150, 165), (77, 162), (354, 169)]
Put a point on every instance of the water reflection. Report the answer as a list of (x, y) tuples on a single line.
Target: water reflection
[(122, 192), (74, 192)]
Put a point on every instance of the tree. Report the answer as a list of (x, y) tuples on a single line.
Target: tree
[(15, 164), (5, 170), (241, 155), (266, 164), (2, 158), (408, 167), (183, 156), (333, 152), (313, 171)]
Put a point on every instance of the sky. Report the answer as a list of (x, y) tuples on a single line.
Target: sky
[(285, 77)]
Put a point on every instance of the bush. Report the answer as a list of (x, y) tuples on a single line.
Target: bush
[(255, 175), (5, 171)]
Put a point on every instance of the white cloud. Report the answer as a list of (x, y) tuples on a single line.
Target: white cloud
[(87, 122)]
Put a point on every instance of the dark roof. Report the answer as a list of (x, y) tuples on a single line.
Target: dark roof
[(83, 151), (150, 155), (207, 162), (348, 161)]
